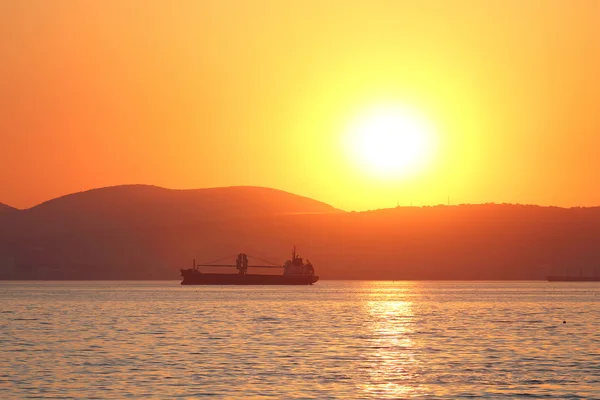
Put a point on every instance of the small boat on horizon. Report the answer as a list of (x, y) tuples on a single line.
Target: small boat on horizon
[(571, 278), (574, 278), (295, 272)]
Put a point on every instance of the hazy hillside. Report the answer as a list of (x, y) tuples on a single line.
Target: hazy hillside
[(6, 209), (142, 232), (133, 206)]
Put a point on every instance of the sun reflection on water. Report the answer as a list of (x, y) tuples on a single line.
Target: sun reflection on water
[(393, 363)]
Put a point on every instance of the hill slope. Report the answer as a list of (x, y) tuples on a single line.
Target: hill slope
[(6, 209), (144, 206)]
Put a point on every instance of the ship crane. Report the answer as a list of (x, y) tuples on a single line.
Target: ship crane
[(241, 264)]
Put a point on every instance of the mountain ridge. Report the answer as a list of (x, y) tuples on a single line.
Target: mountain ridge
[(146, 205), (155, 188)]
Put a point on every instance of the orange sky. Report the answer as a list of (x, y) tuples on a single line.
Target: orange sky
[(191, 94)]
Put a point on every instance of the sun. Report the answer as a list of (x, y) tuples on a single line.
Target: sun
[(390, 142)]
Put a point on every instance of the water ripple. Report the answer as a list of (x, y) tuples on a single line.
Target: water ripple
[(332, 340)]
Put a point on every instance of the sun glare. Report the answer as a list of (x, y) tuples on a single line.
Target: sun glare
[(390, 142)]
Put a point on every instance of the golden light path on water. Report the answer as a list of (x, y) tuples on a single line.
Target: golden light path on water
[(393, 361)]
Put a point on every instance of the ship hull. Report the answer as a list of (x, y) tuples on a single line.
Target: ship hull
[(574, 279), (245, 279)]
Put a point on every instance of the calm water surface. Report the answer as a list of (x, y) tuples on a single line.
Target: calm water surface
[(335, 339)]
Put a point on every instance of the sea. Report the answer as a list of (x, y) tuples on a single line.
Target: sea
[(332, 340)]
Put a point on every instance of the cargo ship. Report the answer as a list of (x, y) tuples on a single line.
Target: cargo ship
[(295, 272)]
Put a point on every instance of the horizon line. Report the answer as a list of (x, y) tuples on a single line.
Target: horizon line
[(294, 194)]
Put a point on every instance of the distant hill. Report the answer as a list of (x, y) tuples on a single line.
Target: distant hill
[(144, 206), (146, 232)]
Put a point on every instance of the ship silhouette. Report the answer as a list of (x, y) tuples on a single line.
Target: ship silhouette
[(295, 272)]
